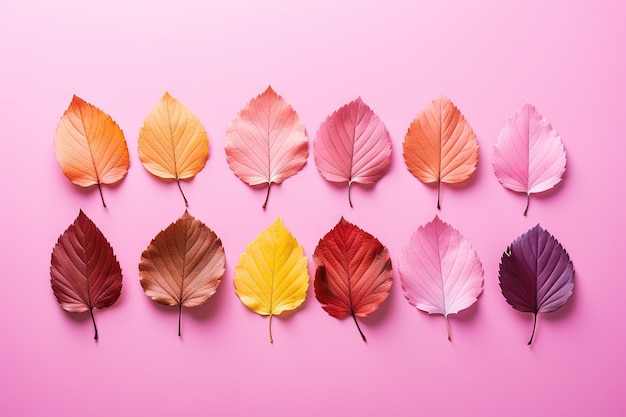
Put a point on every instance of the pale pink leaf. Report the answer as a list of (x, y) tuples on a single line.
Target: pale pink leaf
[(439, 270), (266, 142), (352, 145), (529, 156)]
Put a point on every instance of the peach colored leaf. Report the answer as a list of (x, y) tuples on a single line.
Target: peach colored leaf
[(352, 145), (172, 142), (183, 265), (272, 275), (536, 274), (84, 272), (353, 275), (528, 156), (440, 145), (440, 271), (90, 146), (266, 142)]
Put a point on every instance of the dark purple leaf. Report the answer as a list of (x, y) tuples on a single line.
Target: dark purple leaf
[(536, 274)]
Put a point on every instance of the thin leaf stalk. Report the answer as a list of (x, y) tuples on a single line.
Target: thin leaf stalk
[(93, 320), (267, 196), (358, 327), (438, 195), (448, 327), (180, 313), (350, 194), (532, 336), (101, 195), (527, 203), (271, 338), (181, 192)]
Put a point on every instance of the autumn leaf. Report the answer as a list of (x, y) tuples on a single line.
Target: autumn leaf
[(266, 142), (272, 276), (183, 265), (440, 145), (353, 275), (529, 156), (440, 271), (84, 272), (352, 145), (536, 274), (172, 142), (90, 146)]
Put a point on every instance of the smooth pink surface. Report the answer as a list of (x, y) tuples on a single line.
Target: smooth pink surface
[(489, 57)]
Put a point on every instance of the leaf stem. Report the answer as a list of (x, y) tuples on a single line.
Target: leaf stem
[(350, 194), (180, 312), (448, 327), (271, 338), (358, 327), (438, 194), (95, 328), (267, 196), (181, 192), (101, 196), (527, 203), (532, 336)]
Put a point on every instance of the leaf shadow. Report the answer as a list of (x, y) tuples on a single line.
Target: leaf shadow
[(383, 313), (467, 315), (209, 310)]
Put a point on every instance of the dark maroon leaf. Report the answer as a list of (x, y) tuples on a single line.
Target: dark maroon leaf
[(84, 272), (536, 274)]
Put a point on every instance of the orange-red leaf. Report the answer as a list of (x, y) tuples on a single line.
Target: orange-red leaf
[(90, 146), (183, 265), (353, 275), (172, 142), (440, 145), (266, 142), (84, 272)]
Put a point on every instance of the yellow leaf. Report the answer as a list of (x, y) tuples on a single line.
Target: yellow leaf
[(172, 142), (90, 146), (272, 275)]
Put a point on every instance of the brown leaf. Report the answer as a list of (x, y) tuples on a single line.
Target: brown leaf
[(84, 272), (183, 265)]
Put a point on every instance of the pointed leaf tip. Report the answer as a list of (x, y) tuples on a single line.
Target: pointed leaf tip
[(536, 274), (529, 156), (183, 265), (84, 272), (353, 272), (439, 270), (352, 146), (440, 146), (266, 141), (272, 275), (90, 146)]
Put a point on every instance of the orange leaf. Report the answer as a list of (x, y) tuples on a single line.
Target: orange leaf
[(90, 146), (440, 145), (172, 142)]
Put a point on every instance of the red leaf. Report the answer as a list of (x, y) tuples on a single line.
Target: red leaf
[(84, 271), (353, 275)]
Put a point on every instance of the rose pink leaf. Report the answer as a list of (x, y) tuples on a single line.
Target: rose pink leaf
[(352, 145), (84, 272), (536, 274), (266, 142), (440, 271), (528, 156), (353, 275)]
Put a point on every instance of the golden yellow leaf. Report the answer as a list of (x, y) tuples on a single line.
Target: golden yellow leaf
[(90, 146), (272, 275), (172, 142)]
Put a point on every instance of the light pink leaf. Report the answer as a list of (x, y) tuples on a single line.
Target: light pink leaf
[(266, 141), (352, 145), (529, 156), (439, 270)]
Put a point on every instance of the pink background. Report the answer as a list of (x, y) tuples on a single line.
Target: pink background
[(489, 57)]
